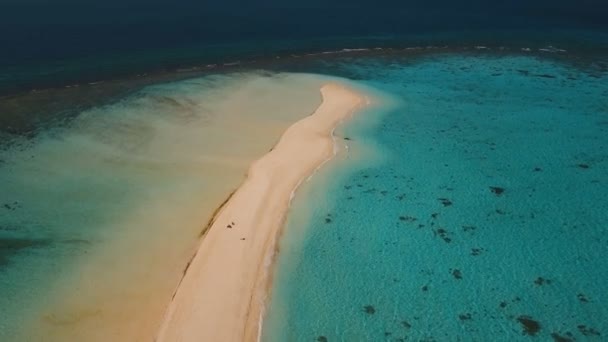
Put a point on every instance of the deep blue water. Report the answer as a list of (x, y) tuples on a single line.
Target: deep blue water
[(50, 43), (483, 217)]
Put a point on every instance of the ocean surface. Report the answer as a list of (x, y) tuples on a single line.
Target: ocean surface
[(470, 206)]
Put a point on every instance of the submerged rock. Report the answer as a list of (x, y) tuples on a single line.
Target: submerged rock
[(465, 317), (407, 218), (544, 76), (531, 327), (457, 274), (476, 251), (558, 338), (443, 234), (446, 202), (468, 228), (588, 331), (541, 281), (497, 190), (370, 310)]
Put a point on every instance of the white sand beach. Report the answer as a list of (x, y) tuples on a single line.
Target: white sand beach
[(223, 292)]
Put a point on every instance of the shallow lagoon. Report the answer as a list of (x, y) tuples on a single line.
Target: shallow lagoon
[(100, 214), (483, 219)]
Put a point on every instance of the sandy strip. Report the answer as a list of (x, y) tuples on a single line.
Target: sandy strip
[(222, 295)]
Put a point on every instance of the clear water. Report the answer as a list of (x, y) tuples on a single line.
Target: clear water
[(483, 217)]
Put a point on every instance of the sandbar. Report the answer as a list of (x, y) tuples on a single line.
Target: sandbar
[(223, 292)]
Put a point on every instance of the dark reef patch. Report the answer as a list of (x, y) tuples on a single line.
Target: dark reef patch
[(465, 317), (531, 327), (456, 274), (541, 281), (582, 298), (477, 251), (10, 246), (370, 310), (558, 338), (446, 202), (588, 331), (545, 76), (497, 190), (407, 218), (443, 234), (468, 228), (12, 206)]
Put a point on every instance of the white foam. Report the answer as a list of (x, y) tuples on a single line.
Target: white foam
[(355, 50)]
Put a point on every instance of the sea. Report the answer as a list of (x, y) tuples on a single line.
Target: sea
[(481, 215), (469, 204)]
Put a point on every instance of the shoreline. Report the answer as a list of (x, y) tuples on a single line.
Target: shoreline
[(222, 295)]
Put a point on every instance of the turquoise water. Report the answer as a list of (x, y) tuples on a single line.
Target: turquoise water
[(482, 218)]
